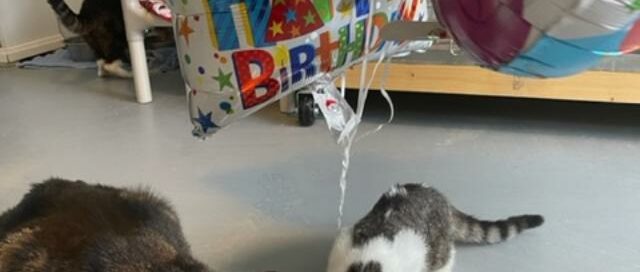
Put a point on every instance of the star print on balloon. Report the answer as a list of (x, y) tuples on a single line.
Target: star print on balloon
[(291, 15), (224, 80), (185, 29), (295, 31), (205, 122), (276, 29), (292, 18)]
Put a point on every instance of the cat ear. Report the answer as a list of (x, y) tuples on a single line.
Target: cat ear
[(356, 267), (372, 267)]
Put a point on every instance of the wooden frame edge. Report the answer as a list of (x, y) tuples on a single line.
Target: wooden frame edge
[(593, 86)]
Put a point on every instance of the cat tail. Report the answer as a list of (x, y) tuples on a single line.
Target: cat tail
[(69, 18), (468, 229)]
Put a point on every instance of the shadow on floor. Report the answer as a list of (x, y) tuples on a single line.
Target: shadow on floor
[(508, 114), (308, 255)]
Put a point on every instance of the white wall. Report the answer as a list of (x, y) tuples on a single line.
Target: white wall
[(27, 28), (26, 20)]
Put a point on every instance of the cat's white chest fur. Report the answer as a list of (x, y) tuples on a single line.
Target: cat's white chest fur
[(407, 252)]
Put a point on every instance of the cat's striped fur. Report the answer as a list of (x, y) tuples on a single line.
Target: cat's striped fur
[(468, 229), (67, 16), (413, 228), (101, 24), (62, 225)]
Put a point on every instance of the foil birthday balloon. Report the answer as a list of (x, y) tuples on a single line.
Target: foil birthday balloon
[(237, 56), (542, 38)]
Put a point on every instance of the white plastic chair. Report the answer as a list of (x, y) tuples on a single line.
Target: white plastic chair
[(137, 19)]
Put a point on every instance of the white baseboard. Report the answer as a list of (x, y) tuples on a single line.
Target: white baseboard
[(31, 48), (3, 56)]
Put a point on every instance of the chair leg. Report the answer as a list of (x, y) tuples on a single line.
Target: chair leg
[(135, 36), (140, 71), (288, 103)]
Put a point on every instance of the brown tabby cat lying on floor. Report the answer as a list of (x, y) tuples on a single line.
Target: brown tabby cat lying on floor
[(73, 226)]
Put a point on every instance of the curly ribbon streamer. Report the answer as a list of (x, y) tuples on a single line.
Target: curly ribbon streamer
[(341, 120)]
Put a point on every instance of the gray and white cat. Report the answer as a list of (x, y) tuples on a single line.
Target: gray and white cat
[(62, 225), (413, 228)]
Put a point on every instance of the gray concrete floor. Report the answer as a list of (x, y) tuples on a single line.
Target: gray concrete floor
[(262, 195)]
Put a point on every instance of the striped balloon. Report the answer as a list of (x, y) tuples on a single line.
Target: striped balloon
[(542, 38)]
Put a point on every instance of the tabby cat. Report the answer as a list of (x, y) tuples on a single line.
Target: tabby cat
[(101, 24), (413, 228), (64, 226)]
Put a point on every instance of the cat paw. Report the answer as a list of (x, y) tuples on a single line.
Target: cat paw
[(116, 69), (100, 67)]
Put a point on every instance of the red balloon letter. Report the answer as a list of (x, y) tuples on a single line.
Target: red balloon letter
[(250, 85)]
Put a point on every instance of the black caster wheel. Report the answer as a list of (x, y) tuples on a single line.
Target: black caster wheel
[(306, 110)]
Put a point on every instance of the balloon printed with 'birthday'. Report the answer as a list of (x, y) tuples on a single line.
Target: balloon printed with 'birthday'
[(238, 56)]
